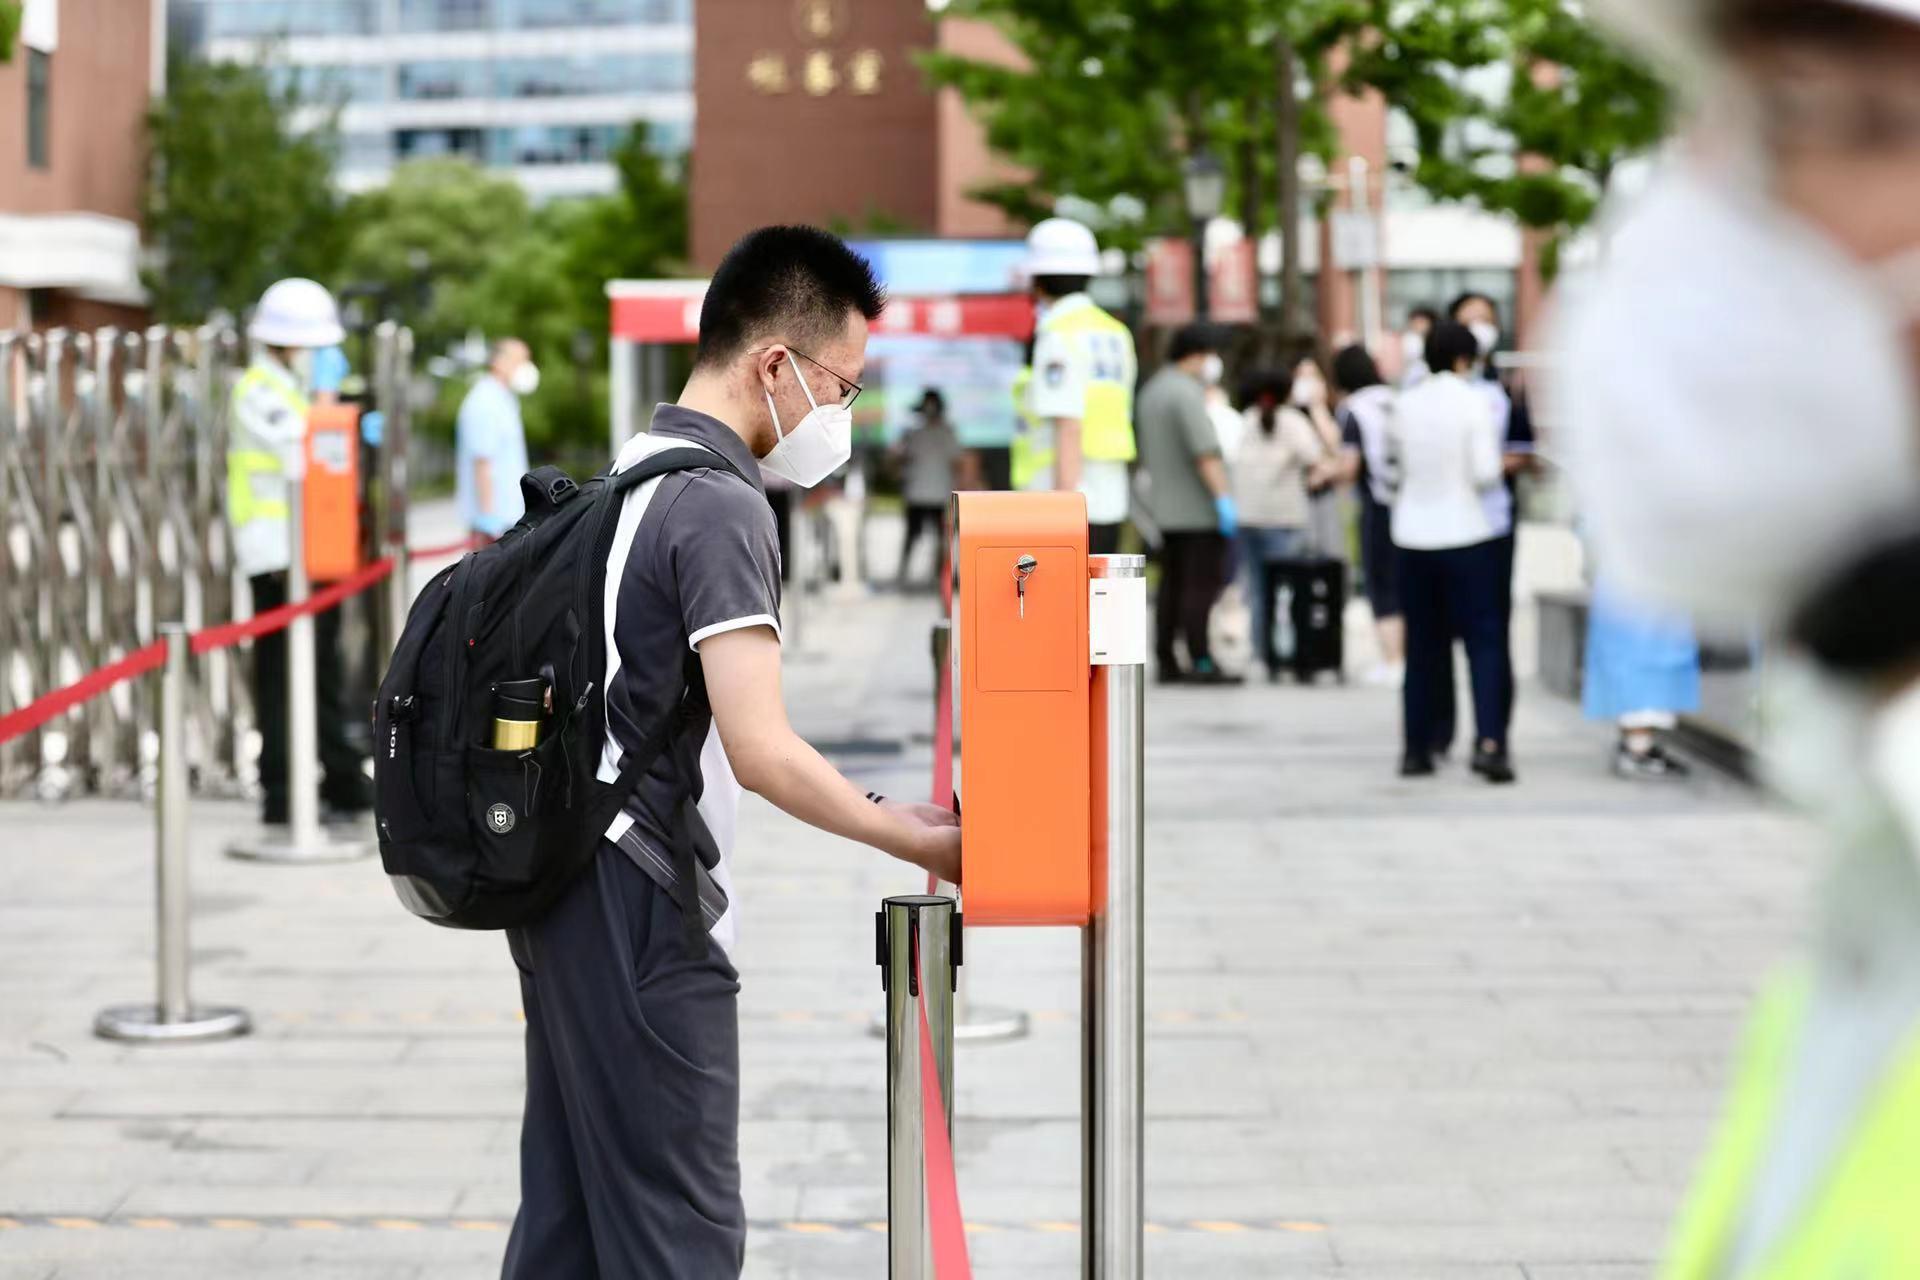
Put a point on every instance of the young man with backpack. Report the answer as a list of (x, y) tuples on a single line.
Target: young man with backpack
[(630, 1140)]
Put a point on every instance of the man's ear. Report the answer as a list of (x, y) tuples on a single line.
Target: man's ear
[(766, 368)]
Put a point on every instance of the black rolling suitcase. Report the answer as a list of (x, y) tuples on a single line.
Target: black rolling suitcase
[(1318, 610)]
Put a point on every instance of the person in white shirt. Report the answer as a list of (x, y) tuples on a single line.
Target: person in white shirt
[(1444, 449)]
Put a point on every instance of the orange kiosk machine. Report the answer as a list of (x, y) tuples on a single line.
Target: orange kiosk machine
[(1048, 668)]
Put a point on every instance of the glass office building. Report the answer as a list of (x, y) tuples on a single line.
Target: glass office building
[(542, 88)]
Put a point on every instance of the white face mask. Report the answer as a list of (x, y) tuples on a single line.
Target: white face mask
[(1487, 335), (1213, 370), (1740, 408), (818, 445), (525, 379), (1413, 347), (1307, 389)]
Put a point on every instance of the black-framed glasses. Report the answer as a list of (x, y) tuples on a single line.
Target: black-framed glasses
[(850, 390)]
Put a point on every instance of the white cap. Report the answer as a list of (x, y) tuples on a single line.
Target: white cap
[(1061, 247), (1676, 32), (296, 312)]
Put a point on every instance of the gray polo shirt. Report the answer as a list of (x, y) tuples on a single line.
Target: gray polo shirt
[(694, 554), (1174, 431)]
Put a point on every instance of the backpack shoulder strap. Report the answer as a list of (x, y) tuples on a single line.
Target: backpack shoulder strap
[(665, 462)]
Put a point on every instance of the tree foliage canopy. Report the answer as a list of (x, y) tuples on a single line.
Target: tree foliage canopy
[(235, 197), (1116, 93)]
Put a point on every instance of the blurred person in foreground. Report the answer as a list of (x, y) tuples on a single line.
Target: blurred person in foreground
[(1191, 502), (490, 441), (1365, 413), (1081, 391), (1642, 671), (1280, 452), (932, 464), (1724, 471), (268, 432), (1444, 453)]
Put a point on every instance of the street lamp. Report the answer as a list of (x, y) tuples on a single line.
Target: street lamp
[(1206, 190)]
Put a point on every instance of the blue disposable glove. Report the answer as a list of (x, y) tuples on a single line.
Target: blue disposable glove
[(373, 427), (1228, 513)]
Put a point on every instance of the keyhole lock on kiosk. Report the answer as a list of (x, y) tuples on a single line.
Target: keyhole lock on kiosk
[(1049, 685)]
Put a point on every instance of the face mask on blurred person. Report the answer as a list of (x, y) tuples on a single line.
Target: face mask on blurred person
[(301, 367), (819, 444), (1487, 335), (1213, 370), (525, 379), (1413, 347), (1769, 418), (1307, 390)]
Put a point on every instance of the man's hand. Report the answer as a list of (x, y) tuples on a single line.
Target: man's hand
[(936, 837)]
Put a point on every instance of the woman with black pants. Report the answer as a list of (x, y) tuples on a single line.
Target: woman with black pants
[(1444, 452)]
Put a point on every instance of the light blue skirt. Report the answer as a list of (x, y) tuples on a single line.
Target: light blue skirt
[(1638, 659)]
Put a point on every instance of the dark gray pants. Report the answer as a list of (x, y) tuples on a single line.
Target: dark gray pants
[(630, 1146)]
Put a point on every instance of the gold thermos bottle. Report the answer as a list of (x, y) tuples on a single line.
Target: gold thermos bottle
[(519, 714)]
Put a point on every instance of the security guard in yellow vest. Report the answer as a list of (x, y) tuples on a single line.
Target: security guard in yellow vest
[(1077, 432), (266, 433), (1788, 215)]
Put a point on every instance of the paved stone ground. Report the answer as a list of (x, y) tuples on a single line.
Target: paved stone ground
[(1396, 1030)]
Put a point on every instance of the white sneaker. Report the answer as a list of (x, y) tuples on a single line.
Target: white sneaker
[(1386, 674)]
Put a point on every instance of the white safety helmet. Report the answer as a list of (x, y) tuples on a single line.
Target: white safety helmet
[(1061, 247), (296, 312)]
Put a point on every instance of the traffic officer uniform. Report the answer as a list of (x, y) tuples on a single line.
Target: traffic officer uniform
[(266, 428), (1083, 369)]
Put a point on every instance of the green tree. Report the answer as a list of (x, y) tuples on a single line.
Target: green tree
[(456, 250), (1542, 146), (427, 240), (235, 196), (11, 13)]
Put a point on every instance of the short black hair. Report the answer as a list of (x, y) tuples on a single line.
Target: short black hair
[(931, 399), (1192, 340), (1449, 344), (792, 284), (1455, 307), (1061, 286), (1424, 312), (1354, 370)]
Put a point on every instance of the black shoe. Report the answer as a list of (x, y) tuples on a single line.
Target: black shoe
[(1494, 766), (1412, 766), (1170, 675), (1654, 762), (1206, 673)]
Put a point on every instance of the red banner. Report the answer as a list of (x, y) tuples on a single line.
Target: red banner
[(1233, 292), (644, 313), (1169, 282)]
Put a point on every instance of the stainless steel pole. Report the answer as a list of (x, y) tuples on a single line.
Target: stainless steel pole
[(1113, 1075), (917, 938), (172, 1015), (303, 717)]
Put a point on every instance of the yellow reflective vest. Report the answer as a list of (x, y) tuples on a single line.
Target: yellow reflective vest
[(1863, 1223), (269, 415), (1084, 367)]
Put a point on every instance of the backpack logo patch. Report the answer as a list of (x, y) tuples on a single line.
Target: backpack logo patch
[(500, 819)]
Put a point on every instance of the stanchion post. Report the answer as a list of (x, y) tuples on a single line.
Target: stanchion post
[(1113, 1018), (972, 1023), (917, 938), (172, 1016), (304, 840)]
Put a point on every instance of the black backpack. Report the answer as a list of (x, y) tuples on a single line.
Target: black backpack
[(476, 838)]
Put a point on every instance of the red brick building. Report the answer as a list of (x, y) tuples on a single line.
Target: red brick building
[(72, 101)]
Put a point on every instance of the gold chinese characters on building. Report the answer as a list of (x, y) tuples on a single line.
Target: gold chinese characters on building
[(817, 72)]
